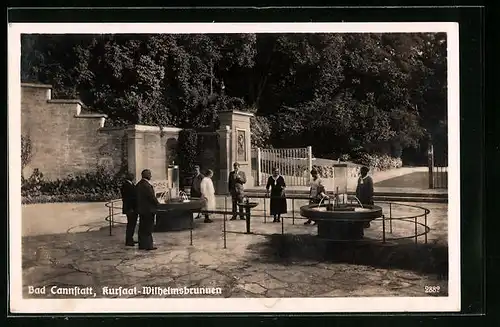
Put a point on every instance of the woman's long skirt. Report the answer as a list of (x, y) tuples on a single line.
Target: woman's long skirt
[(278, 204)]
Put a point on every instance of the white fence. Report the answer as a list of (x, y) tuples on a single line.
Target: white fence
[(294, 164)]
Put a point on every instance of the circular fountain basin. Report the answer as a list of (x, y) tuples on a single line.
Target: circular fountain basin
[(177, 214), (342, 223)]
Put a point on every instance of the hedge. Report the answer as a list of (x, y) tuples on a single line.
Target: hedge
[(97, 186), (187, 155)]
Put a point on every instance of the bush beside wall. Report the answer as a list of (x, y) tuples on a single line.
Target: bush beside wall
[(91, 187), (380, 162), (187, 155)]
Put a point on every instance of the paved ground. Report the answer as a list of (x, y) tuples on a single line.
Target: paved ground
[(69, 245), (419, 179)]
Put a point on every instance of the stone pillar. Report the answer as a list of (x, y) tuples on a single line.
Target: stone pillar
[(225, 159), (135, 139), (238, 149)]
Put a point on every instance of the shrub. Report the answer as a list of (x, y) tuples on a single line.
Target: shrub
[(379, 162), (329, 172), (324, 171), (100, 185), (187, 154)]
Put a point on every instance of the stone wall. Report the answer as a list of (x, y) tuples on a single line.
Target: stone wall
[(65, 139), (153, 148), (68, 140)]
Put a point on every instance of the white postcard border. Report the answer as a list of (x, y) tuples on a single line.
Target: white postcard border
[(232, 305)]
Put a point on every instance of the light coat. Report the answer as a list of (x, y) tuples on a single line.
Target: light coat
[(208, 193)]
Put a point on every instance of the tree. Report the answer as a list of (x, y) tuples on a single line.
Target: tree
[(340, 93), (187, 155)]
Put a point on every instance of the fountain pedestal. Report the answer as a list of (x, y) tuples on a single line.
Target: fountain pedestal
[(170, 221), (340, 230), (248, 207), (176, 215), (343, 223)]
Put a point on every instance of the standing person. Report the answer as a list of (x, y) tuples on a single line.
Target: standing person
[(196, 185), (317, 191), (277, 184), (237, 179), (129, 205), (147, 205), (364, 190), (208, 194)]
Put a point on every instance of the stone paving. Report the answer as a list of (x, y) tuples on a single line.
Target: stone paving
[(272, 265)]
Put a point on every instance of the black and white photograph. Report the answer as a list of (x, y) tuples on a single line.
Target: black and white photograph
[(234, 167)]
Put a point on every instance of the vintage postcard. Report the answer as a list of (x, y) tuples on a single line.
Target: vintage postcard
[(234, 167)]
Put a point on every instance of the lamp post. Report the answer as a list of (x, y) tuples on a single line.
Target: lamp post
[(430, 160)]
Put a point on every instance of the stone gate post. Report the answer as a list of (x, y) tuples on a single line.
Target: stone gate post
[(235, 146)]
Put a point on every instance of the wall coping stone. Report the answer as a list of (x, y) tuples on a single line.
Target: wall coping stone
[(237, 112), (35, 85), (147, 128)]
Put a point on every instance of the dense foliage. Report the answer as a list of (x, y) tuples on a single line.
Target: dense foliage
[(96, 186), (343, 94), (187, 157)]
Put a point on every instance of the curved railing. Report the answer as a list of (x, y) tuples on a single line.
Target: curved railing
[(419, 220)]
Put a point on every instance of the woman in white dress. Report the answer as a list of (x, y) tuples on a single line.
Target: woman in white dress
[(208, 194)]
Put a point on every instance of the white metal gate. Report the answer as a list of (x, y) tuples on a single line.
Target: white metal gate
[(294, 164)]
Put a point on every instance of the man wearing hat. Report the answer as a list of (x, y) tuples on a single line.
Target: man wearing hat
[(237, 179), (147, 206)]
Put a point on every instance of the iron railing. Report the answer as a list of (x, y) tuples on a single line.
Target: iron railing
[(387, 220)]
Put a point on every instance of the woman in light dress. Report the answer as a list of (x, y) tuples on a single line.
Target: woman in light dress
[(208, 194)]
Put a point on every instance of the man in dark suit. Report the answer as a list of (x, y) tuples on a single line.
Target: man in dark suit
[(129, 208), (196, 185), (147, 205), (237, 179)]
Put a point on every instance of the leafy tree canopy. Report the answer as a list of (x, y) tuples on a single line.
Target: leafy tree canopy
[(340, 93)]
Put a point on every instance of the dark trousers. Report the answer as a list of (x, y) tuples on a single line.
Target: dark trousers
[(146, 225), (131, 224), (196, 194), (235, 201)]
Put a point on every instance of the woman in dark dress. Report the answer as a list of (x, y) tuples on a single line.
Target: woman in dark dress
[(364, 190), (277, 184)]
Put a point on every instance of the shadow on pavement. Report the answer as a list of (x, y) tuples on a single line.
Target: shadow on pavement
[(405, 254)]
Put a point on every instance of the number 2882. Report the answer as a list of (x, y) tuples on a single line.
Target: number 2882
[(432, 289)]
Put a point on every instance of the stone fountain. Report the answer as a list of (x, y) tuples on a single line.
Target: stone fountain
[(341, 220), (176, 209)]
